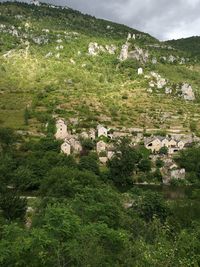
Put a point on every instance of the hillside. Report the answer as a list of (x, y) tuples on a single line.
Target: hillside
[(190, 45), (99, 143), (46, 70)]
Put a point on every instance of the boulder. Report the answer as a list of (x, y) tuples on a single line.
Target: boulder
[(160, 82), (168, 90), (171, 59), (154, 61), (93, 49), (140, 71), (187, 92)]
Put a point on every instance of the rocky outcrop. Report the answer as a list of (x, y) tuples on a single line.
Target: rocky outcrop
[(158, 81), (171, 59), (124, 52), (187, 92), (139, 54), (140, 71), (111, 49), (94, 49), (168, 90)]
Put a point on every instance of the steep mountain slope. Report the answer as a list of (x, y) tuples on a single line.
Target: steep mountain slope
[(47, 69)]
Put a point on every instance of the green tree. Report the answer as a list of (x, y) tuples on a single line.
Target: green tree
[(24, 178), (65, 182), (151, 204), (145, 165), (12, 205), (163, 150), (7, 138), (123, 163), (89, 163)]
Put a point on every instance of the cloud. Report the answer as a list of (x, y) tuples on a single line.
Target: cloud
[(163, 19)]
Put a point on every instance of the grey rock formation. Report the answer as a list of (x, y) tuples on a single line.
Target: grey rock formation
[(159, 81), (171, 59), (139, 54), (187, 92), (154, 60), (168, 90), (124, 52), (93, 49), (111, 49)]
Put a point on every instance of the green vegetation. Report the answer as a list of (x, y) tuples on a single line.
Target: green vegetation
[(70, 83), (189, 159), (189, 45), (58, 210), (73, 202)]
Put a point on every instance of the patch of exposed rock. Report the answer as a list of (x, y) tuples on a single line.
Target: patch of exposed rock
[(187, 92), (138, 53), (124, 52), (94, 49), (157, 81)]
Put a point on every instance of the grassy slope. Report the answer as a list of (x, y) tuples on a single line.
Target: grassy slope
[(100, 91)]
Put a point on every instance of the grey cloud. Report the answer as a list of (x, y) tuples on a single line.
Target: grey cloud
[(163, 19)]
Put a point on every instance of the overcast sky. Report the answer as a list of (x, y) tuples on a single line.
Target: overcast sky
[(164, 19)]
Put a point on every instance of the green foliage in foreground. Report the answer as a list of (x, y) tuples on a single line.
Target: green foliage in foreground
[(77, 217), (190, 160)]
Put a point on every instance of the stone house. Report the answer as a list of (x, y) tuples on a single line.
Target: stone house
[(84, 135), (75, 144), (110, 154), (164, 142), (103, 160), (101, 146), (153, 143), (102, 131), (61, 129), (180, 144), (92, 134), (156, 143), (66, 148)]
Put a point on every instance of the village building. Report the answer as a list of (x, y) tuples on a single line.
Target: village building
[(92, 134), (66, 148), (103, 160), (156, 143), (101, 146), (61, 129), (153, 143), (84, 135), (110, 154), (102, 131), (75, 144)]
